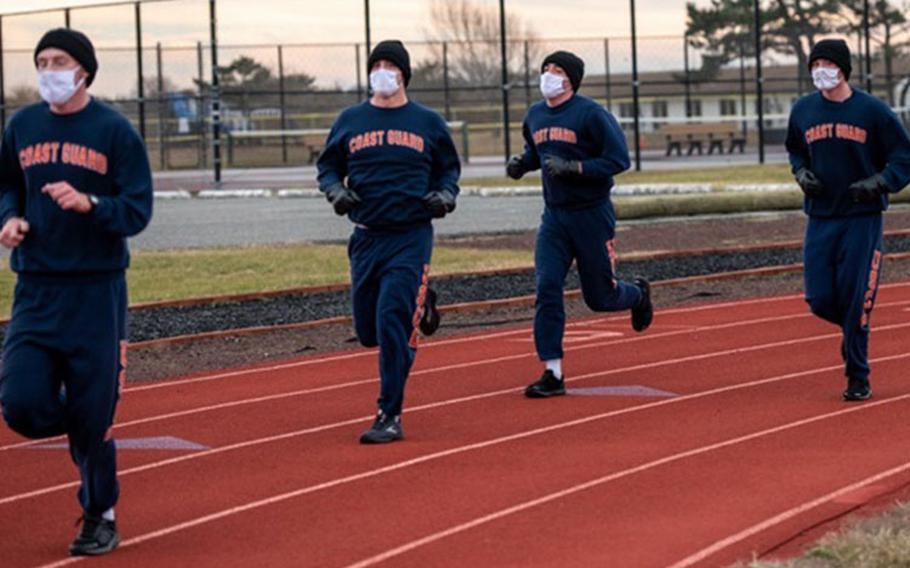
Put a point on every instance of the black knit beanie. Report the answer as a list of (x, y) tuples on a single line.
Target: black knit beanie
[(394, 51), (76, 44), (834, 50), (571, 63)]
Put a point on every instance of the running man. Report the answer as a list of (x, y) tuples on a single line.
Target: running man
[(74, 183), (391, 166), (580, 147), (849, 152)]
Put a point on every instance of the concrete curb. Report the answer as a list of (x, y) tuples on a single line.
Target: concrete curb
[(631, 190)]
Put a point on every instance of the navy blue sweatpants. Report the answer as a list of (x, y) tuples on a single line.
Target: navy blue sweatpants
[(389, 272), (584, 235), (69, 332), (843, 266)]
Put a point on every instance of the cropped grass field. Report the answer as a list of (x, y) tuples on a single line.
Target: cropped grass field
[(720, 176), (180, 274)]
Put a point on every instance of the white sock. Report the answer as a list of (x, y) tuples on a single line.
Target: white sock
[(109, 515), (555, 365)]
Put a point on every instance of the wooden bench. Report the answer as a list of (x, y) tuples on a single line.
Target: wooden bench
[(311, 139), (697, 135)]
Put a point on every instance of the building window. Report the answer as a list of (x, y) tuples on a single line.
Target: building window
[(626, 110), (695, 108), (659, 109), (727, 107)]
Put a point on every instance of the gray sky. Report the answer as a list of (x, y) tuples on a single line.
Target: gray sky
[(185, 22), (302, 21)]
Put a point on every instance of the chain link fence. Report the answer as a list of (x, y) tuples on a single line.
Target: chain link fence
[(277, 100)]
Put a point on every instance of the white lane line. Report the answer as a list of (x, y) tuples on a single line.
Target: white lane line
[(471, 398), (444, 368), (439, 343), (787, 515), (481, 445), (429, 539)]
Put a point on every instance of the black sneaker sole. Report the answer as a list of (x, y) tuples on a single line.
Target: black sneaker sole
[(430, 320), (83, 551), (857, 397), (643, 315), (370, 440), (534, 393)]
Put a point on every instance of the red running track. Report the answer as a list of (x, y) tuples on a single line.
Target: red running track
[(741, 443)]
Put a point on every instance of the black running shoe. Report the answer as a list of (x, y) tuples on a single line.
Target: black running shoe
[(98, 536), (857, 389), (548, 385), (643, 313), (429, 321), (384, 430)]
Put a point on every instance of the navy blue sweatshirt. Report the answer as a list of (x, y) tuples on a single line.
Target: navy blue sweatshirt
[(392, 158), (98, 152), (578, 129), (843, 143)]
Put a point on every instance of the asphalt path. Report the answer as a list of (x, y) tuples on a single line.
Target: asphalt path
[(304, 177), (206, 223)]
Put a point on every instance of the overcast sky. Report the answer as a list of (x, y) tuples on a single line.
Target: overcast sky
[(185, 22), (301, 21)]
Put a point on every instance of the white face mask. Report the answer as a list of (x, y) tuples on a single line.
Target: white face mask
[(57, 87), (551, 85), (384, 82), (825, 78)]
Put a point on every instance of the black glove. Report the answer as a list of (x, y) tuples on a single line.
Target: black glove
[(515, 168), (869, 190), (810, 184), (440, 202), (343, 200), (559, 167)]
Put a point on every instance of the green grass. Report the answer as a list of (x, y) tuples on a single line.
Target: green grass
[(882, 542), (778, 173), (172, 275)]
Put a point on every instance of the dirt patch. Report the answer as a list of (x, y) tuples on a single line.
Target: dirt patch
[(686, 233)]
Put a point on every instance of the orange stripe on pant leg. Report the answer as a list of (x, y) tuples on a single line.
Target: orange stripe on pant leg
[(869, 298), (121, 380), (611, 251), (418, 312)]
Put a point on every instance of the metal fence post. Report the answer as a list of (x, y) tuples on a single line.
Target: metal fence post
[(140, 81), (357, 64), (200, 80), (688, 84), (759, 84), (866, 30), (162, 151), (281, 105), (607, 78), (216, 95), (635, 94), (742, 85), (367, 24), (506, 128), (446, 93), (527, 75)]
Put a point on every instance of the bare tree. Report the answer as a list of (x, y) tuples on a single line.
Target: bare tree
[(889, 32), (471, 31)]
